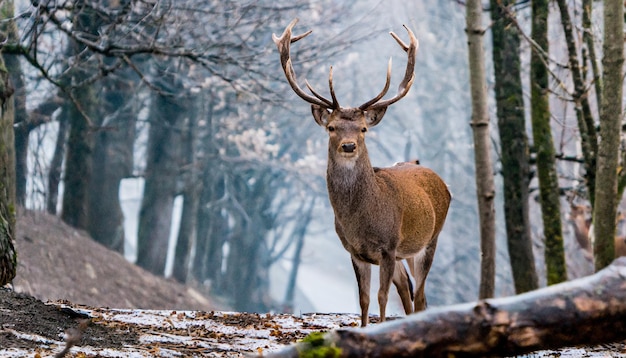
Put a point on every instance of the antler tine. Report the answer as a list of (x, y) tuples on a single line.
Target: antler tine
[(316, 94), (409, 74), (283, 43), (334, 103), (332, 89), (296, 38)]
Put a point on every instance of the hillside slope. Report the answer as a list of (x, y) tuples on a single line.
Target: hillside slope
[(58, 262)]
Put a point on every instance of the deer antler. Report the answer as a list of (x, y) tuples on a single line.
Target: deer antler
[(407, 81), (283, 43)]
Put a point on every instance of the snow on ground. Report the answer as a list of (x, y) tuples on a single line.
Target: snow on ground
[(188, 333)]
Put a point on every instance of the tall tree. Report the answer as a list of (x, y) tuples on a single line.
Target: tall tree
[(56, 163), (16, 75), (580, 97), (81, 112), (485, 187), (8, 255), (247, 269), (544, 147), (112, 158), (513, 144), (299, 232), (211, 224), (169, 107), (605, 208), (192, 185)]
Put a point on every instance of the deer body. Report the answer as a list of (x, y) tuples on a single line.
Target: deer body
[(382, 215), (369, 217)]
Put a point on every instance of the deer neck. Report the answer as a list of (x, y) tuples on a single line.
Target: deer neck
[(348, 181)]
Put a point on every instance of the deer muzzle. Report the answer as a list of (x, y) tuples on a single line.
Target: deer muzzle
[(348, 147)]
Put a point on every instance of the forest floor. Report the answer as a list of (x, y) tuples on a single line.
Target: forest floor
[(66, 282)]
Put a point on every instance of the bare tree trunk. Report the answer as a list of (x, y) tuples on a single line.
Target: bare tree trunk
[(21, 130), (544, 147), (298, 234), (589, 57), (247, 271), (78, 162), (56, 165), (187, 233), (513, 146), (208, 259), (8, 256), (112, 161), (605, 208), (162, 171), (485, 188), (586, 125), (81, 112), (212, 223), (587, 311)]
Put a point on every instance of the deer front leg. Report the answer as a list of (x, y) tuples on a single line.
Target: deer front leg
[(387, 268), (363, 272)]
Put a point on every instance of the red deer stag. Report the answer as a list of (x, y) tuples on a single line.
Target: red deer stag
[(382, 215)]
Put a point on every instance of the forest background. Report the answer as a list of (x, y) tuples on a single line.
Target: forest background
[(167, 131)]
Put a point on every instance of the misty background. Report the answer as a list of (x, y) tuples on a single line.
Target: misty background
[(245, 149)]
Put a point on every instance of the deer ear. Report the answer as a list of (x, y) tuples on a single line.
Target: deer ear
[(374, 116), (320, 114)]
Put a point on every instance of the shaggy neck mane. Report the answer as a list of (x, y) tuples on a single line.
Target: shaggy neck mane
[(347, 181)]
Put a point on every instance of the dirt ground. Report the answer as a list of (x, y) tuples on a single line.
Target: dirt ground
[(23, 313), (66, 282), (58, 262), (31, 328)]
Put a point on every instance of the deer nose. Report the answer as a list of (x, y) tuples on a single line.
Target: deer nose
[(348, 147)]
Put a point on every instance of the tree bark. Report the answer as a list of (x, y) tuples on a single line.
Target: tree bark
[(8, 255), (78, 162), (513, 146), (212, 229), (187, 233), (247, 271), (112, 161), (586, 124), (168, 109), (605, 208), (16, 75), (81, 112), (590, 58), (298, 234), (485, 188), (586, 311), (544, 147), (56, 165)]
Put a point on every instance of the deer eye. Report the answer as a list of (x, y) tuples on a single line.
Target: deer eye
[(364, 129), (331, 128)]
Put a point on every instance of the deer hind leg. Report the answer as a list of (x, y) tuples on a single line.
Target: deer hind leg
[(387, 268), (420, 266), (363, 272), (404, 286)]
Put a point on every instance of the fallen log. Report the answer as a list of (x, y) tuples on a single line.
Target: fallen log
[(586, 311)]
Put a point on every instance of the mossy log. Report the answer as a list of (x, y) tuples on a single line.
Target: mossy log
[(586, 311)]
